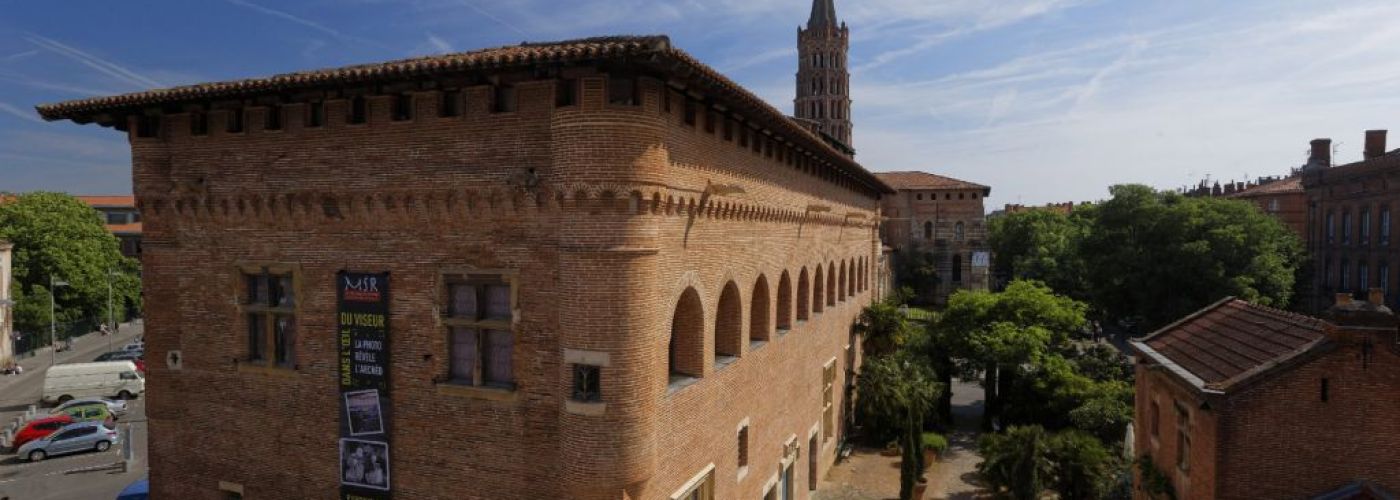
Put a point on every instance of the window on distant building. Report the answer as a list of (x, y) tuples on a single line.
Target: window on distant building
[(1331, 228), (565, 92), (1344, 272), (928, 230), (1183, 439), (1365, 231), (269, 305), (1323, 390), (403, 107), (315, 114), (1273, 205), (1383, 278), (919, 196), (587, 386), (450, 103), (147, 126), (690, 112), (1385, 225), (234, 124), (829, 400), (1346, 228), (1363, 279), (115, 218), (272, 117), (958, 231), (503, 99), (622, 91), (479, 320), (359, 110), (711, 119)]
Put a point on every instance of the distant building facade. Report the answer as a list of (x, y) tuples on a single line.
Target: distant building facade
[(7, 315), (1349, 210), (1280, 197), (942, 216), (122, 218), (1239, 401), (614, 274)]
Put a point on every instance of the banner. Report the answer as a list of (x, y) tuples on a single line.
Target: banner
[(362, 307)]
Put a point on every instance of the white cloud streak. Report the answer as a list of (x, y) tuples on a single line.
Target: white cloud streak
[(101, 65), (21, 114)]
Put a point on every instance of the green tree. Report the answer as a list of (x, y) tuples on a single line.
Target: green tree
[(883, 328), (1017, 462), (1041, 245), (58, 236), (896, 395), (919, 272), (1158, 256), (997, 335), (1083, 467)]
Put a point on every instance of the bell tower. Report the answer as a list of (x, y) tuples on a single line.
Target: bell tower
[(823, 82)]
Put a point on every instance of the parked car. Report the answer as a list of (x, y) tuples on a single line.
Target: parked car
[(39, 428), (105, 379), (135, 346), (73, 438), (138, 357), (88, 412), (116, 406)]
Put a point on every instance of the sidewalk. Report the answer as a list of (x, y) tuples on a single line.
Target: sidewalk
[(85, 348)]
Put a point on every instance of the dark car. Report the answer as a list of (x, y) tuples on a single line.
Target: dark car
[(138, 357)]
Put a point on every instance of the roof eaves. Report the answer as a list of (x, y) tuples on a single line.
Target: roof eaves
[(1268, 367), (1176, 369), (1187, 318)]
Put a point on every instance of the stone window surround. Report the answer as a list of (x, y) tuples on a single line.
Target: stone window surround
[(443, 384), (244, 269)]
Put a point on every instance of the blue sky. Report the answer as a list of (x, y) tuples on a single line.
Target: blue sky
[(1044, 100)]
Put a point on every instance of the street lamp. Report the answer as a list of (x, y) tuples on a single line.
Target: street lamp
[(53, 321), (111, 319)]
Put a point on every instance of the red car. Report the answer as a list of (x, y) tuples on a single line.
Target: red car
[(39, 428)]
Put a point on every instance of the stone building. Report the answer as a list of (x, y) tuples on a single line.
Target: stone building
[(1240, 401), (7, 315), (943, 217), (122, 219), (823, 80), (1349, 221), (615, 274)]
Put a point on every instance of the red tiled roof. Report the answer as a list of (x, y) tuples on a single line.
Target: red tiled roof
[(654, 51), (914, 179), (1289, 185), (132, 228), (1232, 339), (109, 201)]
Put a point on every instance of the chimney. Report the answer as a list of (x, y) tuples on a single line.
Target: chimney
[(1321, 153), (1376, 297), (1375, 144)]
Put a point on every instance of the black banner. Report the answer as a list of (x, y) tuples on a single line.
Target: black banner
[(363, 337)]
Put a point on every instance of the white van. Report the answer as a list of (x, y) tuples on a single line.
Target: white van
[(84, 380)]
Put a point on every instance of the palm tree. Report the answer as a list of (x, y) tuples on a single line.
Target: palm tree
[(898, 394)]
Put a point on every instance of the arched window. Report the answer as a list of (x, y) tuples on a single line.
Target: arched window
[(784, 302), (851, 285), (687, 345), (841, 282), (758, 311), (804, 296), (928, 230), (831, 283), (958, 231), (957, 268), (729, 324), (818, 298)]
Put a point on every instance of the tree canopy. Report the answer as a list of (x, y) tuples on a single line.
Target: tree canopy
[(58, 236), (1153, 256)]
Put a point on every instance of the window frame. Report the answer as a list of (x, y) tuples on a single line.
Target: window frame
[(447, 322), (268, 314)]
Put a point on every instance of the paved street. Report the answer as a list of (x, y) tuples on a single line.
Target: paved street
[(79, 476)]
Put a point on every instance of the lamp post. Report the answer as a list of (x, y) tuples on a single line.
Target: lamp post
[(54, 283), (111, 319)]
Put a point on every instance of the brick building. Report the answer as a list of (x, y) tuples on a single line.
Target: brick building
[(7, 316), (1240, 401), (122, 219), (823, 99), (615, 274), (930, 213), (1281, 197), (1348, 220)]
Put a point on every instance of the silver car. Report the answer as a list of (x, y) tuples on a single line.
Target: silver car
[(114, 406), (72, 438)]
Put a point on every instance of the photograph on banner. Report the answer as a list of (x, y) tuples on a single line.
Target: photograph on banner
[(364, 411), (364, 463)]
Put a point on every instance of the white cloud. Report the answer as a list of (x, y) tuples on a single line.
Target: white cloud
[(101, 65), (438, 44)]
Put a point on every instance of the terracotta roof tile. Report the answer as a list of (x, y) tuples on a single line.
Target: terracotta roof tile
[(109, 201), (655, 51), (914, 179), (1290, 185), (132, 228), (1233, 337)]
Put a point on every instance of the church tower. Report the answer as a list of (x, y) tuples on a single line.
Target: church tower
[(823, 83)]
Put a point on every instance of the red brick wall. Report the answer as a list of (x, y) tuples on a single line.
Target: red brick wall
[(602, 256), (1281, 440), (1197, 481)]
